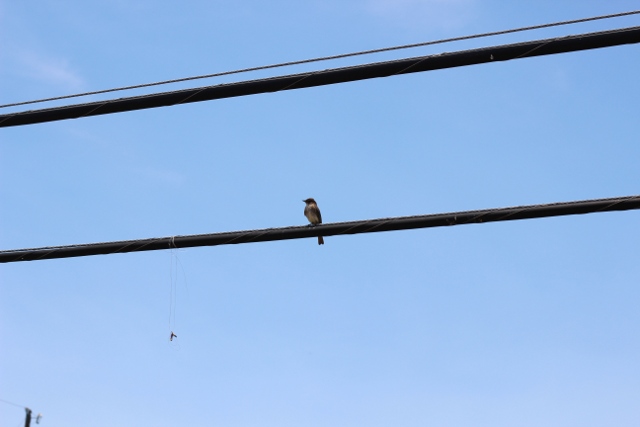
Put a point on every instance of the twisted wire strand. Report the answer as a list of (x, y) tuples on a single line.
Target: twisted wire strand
[(330, 57), (328, 229)]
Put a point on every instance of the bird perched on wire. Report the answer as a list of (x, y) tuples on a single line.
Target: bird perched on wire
[(312, 212)]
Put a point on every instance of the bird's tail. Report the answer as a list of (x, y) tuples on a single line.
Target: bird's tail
[(320, 240)]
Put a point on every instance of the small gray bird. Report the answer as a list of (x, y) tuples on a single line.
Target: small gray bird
[(312, 212)]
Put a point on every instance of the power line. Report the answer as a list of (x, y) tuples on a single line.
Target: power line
[(330, 229), (11, 403), (331, 76), (331, 57)]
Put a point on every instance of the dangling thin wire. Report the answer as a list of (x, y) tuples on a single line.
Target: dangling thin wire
[(174, 262), (173, 290)]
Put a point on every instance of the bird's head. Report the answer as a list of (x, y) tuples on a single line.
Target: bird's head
[(309, 200)]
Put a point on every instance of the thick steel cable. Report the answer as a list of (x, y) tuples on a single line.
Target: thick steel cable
[(330, 76), (331, 57), (331, 229)]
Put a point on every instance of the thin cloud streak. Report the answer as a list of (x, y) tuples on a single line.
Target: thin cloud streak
[(54, 71)]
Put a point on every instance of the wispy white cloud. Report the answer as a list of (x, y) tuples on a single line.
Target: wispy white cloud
[(440, 14), (48, 69)]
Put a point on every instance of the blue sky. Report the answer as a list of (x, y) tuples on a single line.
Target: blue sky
[(505, 324)]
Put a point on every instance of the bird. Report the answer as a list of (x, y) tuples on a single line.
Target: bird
[(312, 212)]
